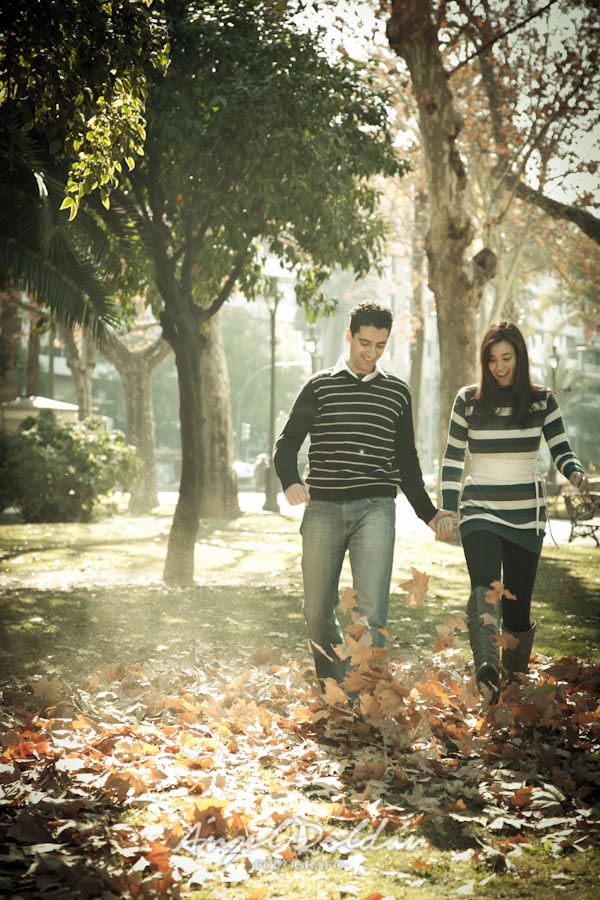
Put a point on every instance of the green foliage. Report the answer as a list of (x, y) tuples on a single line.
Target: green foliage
[(70, 268), (78, 77), (56, 472), (258, 139)]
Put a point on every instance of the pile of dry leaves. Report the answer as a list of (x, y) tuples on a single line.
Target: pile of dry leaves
[(148, 784)]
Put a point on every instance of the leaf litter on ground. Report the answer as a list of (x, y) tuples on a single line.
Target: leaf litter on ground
[(152, 782)]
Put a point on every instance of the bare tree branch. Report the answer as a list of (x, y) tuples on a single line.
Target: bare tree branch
[(502, 34)]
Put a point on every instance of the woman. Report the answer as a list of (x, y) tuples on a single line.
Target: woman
[(502, 509)]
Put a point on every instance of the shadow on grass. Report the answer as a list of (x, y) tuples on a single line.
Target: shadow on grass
[(70, 633), (566, 603)]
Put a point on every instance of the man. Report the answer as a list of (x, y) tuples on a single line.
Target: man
[(361, 450)]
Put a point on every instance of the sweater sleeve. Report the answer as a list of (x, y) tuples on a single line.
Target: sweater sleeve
[(407, 460), (558, 443), (299, 422), (454, 456)]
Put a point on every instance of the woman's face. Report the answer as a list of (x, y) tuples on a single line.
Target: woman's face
[(502, 363)]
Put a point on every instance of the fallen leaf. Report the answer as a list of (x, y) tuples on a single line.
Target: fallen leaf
[(416, 588)]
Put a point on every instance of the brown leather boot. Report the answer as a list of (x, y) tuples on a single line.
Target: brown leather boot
[(516, 660)]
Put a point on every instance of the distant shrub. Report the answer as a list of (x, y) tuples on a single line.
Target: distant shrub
[(57, 472)]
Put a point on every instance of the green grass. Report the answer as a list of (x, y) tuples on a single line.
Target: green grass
[(76, 597)]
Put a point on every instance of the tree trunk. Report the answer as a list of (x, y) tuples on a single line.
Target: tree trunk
[(456, 283), (179, 562), (218, 483), (202, 458), (418, 330), (10, 326), (33, 359), (137, 368), (81, 360)]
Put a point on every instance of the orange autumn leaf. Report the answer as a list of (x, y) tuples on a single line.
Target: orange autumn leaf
[(446, 638), (511, 640), (497, 593), (521, 797), (158, 856), (370, 708), (356, 630), (256, 894), (375, 896), (80, 721), (362, 650), (209, 814), (348, 601), (334, 695), (456, 620), (506, 640), (416, 588), (370, 769)]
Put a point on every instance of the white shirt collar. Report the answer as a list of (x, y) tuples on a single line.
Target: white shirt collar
[(341, 366)]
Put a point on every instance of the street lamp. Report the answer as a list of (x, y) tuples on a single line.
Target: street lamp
[(554, 360), (311, 346), (286, 364), (272, 298)]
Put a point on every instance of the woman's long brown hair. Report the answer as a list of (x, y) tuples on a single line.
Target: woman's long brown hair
[(525, 392)]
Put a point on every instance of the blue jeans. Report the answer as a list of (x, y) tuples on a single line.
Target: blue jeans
[(367, 529)]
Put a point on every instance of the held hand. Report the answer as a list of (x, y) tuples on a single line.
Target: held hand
[(441, 516), (446, 525), (580, 481), (297, 493)]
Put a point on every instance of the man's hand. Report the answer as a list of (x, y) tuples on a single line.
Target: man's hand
[(580, 481), (445, 524), (297, 493)]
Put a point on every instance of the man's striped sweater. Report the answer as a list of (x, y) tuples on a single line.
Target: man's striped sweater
[(361, 439), (502, 498)]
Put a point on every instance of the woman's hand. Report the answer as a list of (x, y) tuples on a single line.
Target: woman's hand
[(580, 481), (447, 526)]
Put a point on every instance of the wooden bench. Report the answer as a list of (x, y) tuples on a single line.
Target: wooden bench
[(584, 513)]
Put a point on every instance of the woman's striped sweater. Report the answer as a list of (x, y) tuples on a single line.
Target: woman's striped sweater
[(361, 439), (506, 502)]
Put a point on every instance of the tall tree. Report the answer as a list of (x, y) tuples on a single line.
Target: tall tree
[(80, 352), (454, 278), (256, 139), (137, 356), (441, 43)]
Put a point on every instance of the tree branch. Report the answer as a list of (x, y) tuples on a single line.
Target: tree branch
[(499, 36), (586, 221)]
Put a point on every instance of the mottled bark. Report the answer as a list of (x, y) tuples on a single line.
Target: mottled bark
[(455, 280), (205, 457), (417, 341), (33, 360), (10, 331), (81, 359), (136, 368), (218, 484)]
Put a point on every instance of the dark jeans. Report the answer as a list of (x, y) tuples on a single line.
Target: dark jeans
[(493, 558)]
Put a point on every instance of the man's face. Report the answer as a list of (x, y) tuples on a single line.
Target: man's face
[(366, 346)]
